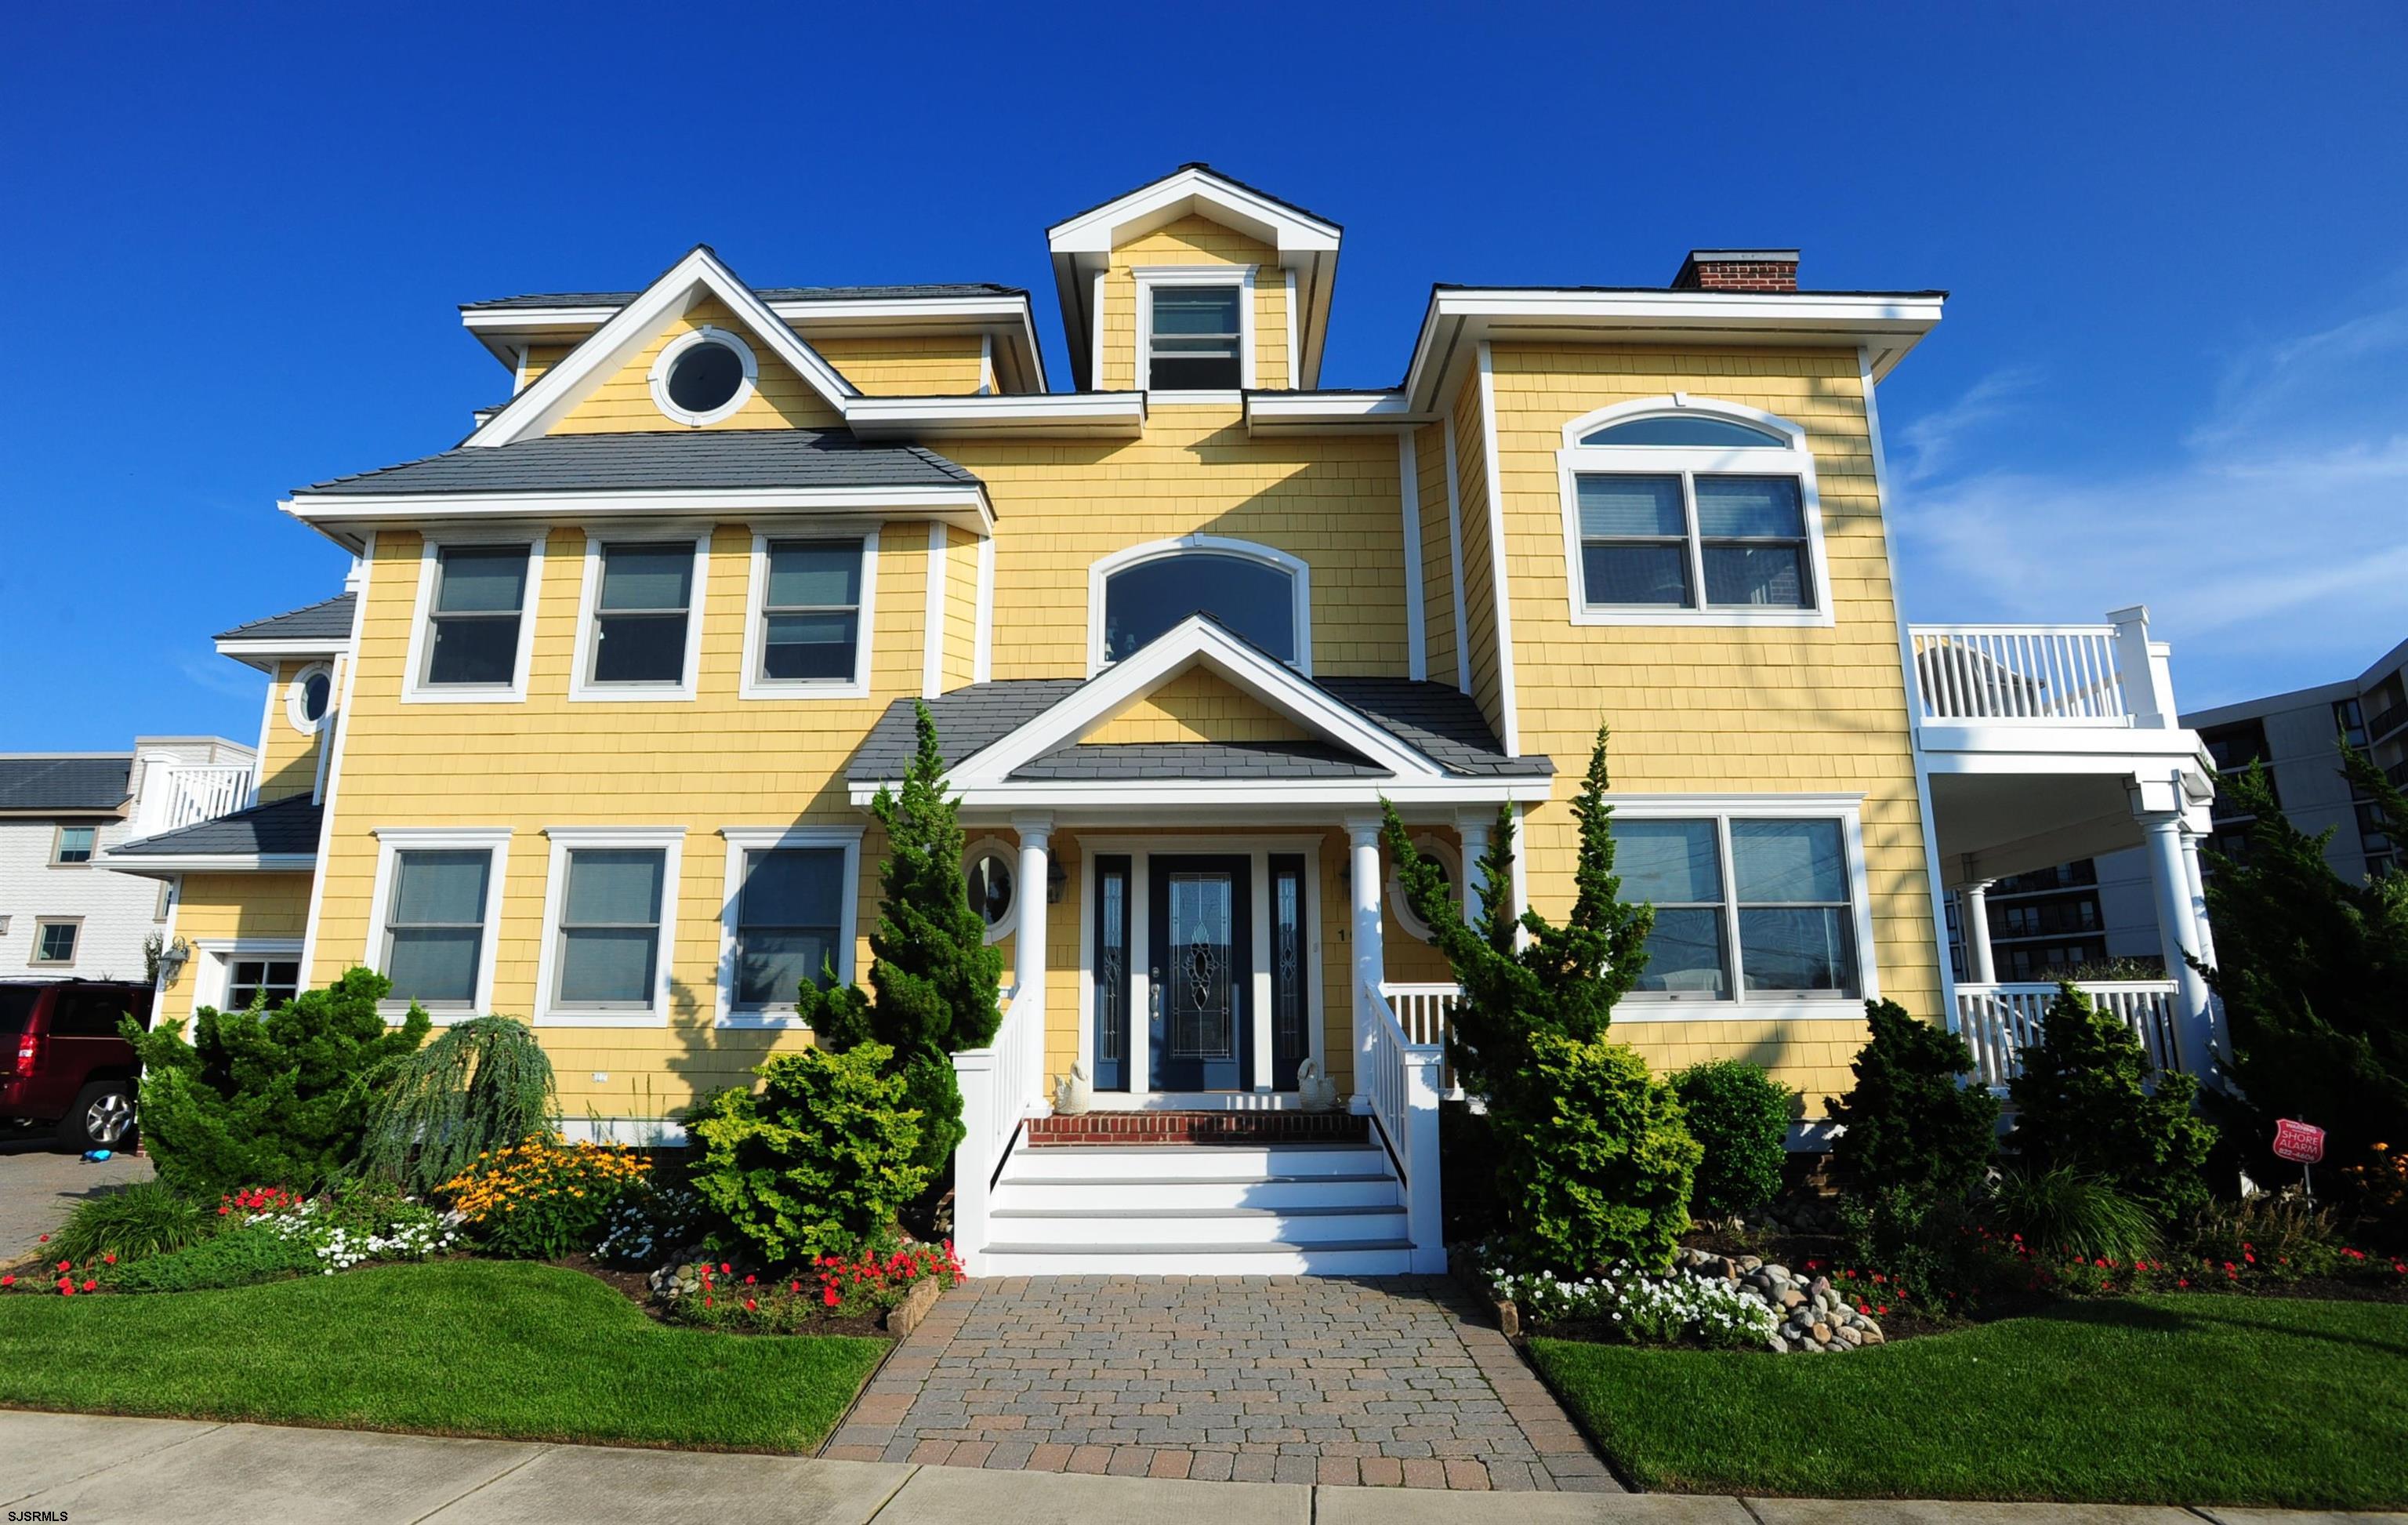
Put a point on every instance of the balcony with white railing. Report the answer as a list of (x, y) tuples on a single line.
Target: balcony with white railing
[(172, 794), (1999, 1021)]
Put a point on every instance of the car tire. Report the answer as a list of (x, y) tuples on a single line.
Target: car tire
[(102, 1117)]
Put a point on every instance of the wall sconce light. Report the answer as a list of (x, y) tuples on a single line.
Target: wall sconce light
[(1055, 877), (173, 958)]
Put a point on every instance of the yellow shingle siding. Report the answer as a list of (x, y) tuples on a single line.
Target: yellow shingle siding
[(541, 358), (1197, 706), (288, 764), (961, 608), (213, 907), (623, 404), (1193, 240), (1722, 709), (904, 365)]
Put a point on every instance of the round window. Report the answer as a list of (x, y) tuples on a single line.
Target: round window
[(315, 690), (989, 880), (706, 377), (1440, 856), (308, 697)]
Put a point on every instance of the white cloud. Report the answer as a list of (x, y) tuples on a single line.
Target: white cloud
[(2272, 552)]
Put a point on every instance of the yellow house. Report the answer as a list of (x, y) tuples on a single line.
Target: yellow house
[(590, 735)]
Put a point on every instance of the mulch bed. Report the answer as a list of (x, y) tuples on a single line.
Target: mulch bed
[(637, 1288)]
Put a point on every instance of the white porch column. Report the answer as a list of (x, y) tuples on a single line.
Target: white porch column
[(1370, 960), (1474, 831), (1028, 939), (1974, 924), (2205, 933), (2161, 832)]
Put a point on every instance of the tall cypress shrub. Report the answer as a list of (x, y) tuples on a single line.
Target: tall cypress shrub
[(933, 977)]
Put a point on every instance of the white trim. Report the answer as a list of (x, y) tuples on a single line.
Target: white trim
[(996, 847), (670, 841), (1454, 559), (963, 503), (982, 660), (1509, 706), (1295, 332), (932, 656), (168, 865), (414, 689), (1189, 801), (364, 573), (265, 655), (1276, 413), (622, 336), (658, 378), (986, 386), (1195, 642), (751, 838), (1687, 462), (1111, 415), (1925, 817), (750, 684), (1150, 276), (1447, 854), (1095, 231), (1409, 496), (392, 840), (1095, 336), (1100, 572), (581, 687), (295, 693), (214, 981), (1846, 809)]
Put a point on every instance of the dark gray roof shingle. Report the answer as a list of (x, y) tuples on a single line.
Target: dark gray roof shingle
[(329, 619), (1197, 761), (284, 826), (767, 293), (968, 720), (687, 458), (65, 783), (1443, 723)]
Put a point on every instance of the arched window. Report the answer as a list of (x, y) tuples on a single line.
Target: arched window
[(1680, 508), (1256, 592)]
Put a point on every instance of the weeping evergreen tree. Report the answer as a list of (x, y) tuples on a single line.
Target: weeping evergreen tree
[(932, 975), (2311, 969), (485, 1084)]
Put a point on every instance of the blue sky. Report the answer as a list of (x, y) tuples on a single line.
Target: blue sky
[(2175, 369)]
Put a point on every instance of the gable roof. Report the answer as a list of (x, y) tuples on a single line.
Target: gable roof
[(768, 294), (1197, 761), (328, 620), (680, 458), (280, 834), (100, 783)]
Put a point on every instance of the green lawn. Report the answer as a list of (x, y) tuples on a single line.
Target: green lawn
[(2173, 1400), (456, 1347)]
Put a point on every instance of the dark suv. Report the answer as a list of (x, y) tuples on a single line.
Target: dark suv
[(62, 1060)]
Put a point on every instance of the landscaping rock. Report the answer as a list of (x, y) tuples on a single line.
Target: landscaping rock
[(1811, 1314)]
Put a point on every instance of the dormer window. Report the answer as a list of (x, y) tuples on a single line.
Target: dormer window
[(703, 375), (1195, 328)]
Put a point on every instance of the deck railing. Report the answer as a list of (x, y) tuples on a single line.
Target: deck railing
[(1997, 1020), (2064, 674), (1001, 1084), (175, 794), (1399, 1081), (1426, 1009)]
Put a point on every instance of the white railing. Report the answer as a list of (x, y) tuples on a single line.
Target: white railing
[(1997, 1020), (1400, 1082), (2066, 674), (1001, 1084), (1426, 1011), (176, 795)]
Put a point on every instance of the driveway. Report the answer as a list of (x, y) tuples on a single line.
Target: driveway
[(40, 1184), (1288, 1379)]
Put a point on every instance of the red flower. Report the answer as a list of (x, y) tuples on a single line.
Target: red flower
[(828, 1295), (89, 1285), (223, 1211), (110, 1258), (8, 1281), (64, 1264), (794, 1287), (748, 1280), (750, 1305), (1884, 1308), (724, 1268), (706, 1302), (1878, 1276)]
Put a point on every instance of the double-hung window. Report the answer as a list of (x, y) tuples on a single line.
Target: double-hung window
[(434, 926), (1194, 342), (811, 611), (1748, 907), (643, 610), (1691, 516), (789, 917), (74, 845), (473, 623), (609, 950)]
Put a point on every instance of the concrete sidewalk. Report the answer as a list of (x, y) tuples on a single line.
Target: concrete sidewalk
[(175, 1472)]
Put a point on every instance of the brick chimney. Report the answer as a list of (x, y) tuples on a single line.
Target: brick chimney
[(1739, 270)]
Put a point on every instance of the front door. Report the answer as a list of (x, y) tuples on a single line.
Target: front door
[(1200, 957)]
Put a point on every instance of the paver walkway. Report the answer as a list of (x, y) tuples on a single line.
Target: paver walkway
[(1288, 1379)]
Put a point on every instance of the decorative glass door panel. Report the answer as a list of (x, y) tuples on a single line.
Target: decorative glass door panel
[(1290, 971), (1112, 973), (1201, 973)]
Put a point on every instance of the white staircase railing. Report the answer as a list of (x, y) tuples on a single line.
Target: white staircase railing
[(1400, 1083), (1001, 1084), (1426, 1009), (1997, 1020)]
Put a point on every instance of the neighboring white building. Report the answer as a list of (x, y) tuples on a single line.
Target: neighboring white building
[(64, 916)]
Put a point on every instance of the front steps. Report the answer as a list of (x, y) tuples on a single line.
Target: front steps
[(1177, 1209)]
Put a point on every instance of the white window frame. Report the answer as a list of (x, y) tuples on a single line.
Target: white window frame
[(752, 685), (1010, 855), (1399, 907), (393, 841), (1574, 460), (414, 688), (667, 361), (1790, 1006), (217, 975), (296, 694), (33, 958), (670, 842), (1100, 573), (581, 685), (1148, 277), (753, 839)]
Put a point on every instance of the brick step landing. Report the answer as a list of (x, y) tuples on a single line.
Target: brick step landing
[(1183, 1128)]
